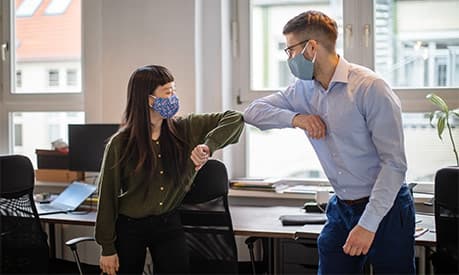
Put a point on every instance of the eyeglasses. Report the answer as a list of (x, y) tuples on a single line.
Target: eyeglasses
[(289, 49)]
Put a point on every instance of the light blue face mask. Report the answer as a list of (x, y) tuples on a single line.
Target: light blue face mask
[(301, 67)]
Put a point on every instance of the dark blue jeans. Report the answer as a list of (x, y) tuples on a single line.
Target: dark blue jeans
[(164, 237), (392, 251)]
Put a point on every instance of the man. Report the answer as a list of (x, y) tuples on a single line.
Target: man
[(353, 121)]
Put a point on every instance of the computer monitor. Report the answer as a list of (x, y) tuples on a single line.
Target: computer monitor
[(86, 145)]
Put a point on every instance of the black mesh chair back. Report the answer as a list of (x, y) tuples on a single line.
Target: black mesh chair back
[(24, 247), (207, 222), (445, 259)]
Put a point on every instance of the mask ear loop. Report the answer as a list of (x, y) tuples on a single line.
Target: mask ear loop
[(154, 99), (315, 54), (305, 46)]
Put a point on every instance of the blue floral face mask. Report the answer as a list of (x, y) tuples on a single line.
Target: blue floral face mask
[(166, 107), (301, 67)]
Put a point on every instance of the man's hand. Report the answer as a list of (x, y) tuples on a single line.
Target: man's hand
[(358, 242), (312, 124), (200, 155), (109, 264)]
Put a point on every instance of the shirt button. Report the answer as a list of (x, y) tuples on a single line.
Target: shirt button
[(339, 172), (157, 142), (159, 155), (161, 172), (161, 188), (160, 203)]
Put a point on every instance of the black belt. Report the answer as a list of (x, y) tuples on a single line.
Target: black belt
[(357, 201)]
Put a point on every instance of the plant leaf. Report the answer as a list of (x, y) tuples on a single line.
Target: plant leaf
[(434, 114), (431, 116), (441, 126), (456, 113), (435, 99)]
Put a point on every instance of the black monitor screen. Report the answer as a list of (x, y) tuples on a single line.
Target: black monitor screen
[(87, 144)]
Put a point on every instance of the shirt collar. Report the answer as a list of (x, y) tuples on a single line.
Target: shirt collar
[(341, 71)]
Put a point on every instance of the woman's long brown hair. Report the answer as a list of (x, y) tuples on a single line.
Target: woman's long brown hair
[(136, 127)]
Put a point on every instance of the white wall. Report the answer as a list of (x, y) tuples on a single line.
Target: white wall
[(184, 35), (119, 36)]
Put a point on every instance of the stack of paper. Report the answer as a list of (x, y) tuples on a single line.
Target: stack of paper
[(306, 189)]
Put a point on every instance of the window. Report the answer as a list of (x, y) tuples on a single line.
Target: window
[(425, 152), (53, 78), (269, 69), (39, 129), (31, 115), (297, 153), (18, 135), (71, 77), (57, 7), (53, 49), (415, 50), (27, 7), (415, 47), (18, 79)]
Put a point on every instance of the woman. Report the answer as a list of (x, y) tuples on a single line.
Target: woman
[(147, 169)]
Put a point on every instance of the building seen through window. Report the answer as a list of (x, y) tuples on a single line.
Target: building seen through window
[(45, 56), (46, 59), (416, 47)]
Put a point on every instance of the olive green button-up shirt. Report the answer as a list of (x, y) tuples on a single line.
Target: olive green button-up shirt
[(132, 195)]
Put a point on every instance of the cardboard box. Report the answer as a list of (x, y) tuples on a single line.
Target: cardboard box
[(52, 159), (58, 175)]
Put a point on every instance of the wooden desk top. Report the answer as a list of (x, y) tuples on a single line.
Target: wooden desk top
[(257, 221), (430, 237), (263, 221)]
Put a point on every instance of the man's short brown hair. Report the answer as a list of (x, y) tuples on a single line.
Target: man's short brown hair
[(314, 25)]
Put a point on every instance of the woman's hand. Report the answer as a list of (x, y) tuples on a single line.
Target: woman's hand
[(200, 155), (109, 264)]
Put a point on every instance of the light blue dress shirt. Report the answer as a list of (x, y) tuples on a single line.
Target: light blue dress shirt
[(363, 151)]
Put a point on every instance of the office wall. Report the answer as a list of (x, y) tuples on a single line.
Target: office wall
[(119, 36), (192, 38)]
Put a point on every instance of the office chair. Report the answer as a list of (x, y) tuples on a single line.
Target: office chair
[(446, 203), (24, 247), (207, 222), (263, 266)]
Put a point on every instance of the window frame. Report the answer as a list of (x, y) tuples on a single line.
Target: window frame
[(24, 102), (413, 100)]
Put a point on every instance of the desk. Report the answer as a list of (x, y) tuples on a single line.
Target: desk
[(88, 219), (264, 222), (250, 221)]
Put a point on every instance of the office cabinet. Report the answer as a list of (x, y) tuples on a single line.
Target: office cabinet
[(298, 256)]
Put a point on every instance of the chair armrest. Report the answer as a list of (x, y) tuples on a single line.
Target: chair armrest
[(73, 242), (250, 240)]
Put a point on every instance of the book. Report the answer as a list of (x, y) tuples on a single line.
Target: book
[(256, 184)]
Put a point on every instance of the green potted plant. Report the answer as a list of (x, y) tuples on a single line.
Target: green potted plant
[(442, 117)]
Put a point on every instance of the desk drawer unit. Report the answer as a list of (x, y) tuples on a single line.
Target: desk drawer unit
[(298, 256)]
